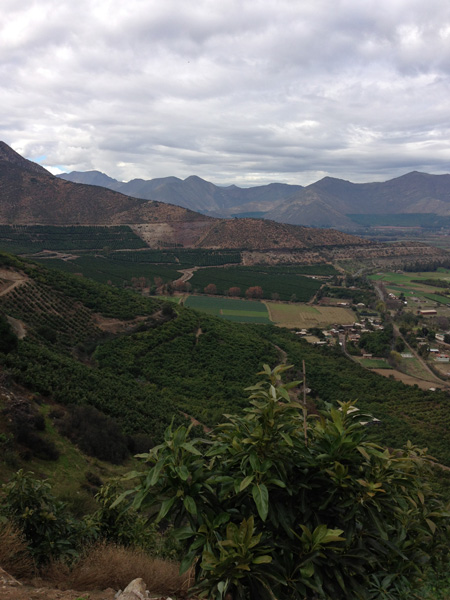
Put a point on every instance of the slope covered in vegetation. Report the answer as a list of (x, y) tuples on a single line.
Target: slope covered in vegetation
[(167, 361)]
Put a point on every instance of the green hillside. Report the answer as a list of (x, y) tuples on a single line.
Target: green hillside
[(165, 360)]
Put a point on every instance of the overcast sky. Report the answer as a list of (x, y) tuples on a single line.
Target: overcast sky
[(235, 91)]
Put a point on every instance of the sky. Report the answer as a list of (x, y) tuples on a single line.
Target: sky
[(243, 92)]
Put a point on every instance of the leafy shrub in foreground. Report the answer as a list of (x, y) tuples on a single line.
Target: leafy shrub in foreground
[(277, 506)]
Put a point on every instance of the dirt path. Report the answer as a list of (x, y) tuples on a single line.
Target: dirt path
[(187, 274), (282, 353), (10, 281)]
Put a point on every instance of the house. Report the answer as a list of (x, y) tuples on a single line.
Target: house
[(428, 312), (442, 358)]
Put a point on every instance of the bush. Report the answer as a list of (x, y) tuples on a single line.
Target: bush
[(129, 528), (47, 527), (25, 421), (279, 504), (96, 434)]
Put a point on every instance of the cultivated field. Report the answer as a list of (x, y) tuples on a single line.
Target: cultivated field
[(244, 311), (304, 317), (419, 295)]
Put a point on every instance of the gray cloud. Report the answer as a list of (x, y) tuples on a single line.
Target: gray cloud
[(241, 91)]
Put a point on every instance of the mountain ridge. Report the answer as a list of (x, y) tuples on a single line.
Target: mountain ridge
[(324, 203), (193, 192)]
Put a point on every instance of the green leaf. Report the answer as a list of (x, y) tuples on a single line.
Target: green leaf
[(264, 559), (283, 393), (183, 533), (431, 525), (246, 482), (221, 520), (155, 472), (254, 462), (261, 498), (307, 571), (190, 448), (277, 482), (292, 384), (120, 498), (364, 452), (182, 472), (287, 438), (189, 504), (165, 507), (187, 562)]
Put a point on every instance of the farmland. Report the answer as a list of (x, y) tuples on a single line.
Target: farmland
[(229, 309), (418, 289), (304, 317), (21, 239), (105, 269), (181, 257), (284, 315), (286, 284)]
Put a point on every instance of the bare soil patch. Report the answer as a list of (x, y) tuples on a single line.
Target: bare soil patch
[(18, 327), (10, 279), (408, 379), (116, 325)]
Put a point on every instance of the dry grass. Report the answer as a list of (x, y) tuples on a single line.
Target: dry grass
[(14, 555), (304, 316), (106, 565)]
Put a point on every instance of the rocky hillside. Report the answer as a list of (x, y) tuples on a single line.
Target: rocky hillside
[(31, 195)]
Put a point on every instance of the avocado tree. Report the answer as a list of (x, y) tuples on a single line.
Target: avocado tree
[(272, 507)]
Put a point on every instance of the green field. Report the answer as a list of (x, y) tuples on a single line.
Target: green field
[(413, 285), (244, 311), (104, 269), (407, 278), (21, 239), (286, 284), (415, 368)]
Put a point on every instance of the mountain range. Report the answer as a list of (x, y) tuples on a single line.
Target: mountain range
[(30, 195), (329, 202)]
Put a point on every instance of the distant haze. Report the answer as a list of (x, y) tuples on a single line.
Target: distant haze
[(244, 92)]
